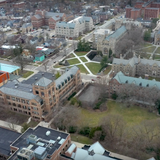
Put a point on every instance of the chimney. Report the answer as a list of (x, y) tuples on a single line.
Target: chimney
[(121, 56), (139, 59)]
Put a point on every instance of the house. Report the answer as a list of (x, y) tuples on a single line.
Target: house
[(39, 57), (40, 143), (27, 27), (34, 40), (26, 54), (7, 137), (40, 94)]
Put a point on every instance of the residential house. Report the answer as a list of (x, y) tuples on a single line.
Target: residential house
[(39, 57), (42, 18), (40, 94), (26, 54), (27, 27), (74, 28), (34, 40)]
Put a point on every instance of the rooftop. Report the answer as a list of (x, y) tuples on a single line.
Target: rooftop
[(38, 140), (8, 68), (6, 138)]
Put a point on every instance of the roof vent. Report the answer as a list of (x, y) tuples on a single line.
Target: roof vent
[(30, 90), (53, 75), (59, 138), (36, 78), (48, 133), (42, 74), (16, 86)]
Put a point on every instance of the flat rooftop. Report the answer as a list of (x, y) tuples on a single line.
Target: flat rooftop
[(6, 138), (42, 139), (8, 68)]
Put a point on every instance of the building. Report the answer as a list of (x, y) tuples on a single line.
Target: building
[(27, 27), (136, 66), (7, 136), (39, 57), (146, 10), (2, 2), (109, 41), (19, 5), (74, 28), (40, 143), (44, 18), (4, 77), (40, 94)]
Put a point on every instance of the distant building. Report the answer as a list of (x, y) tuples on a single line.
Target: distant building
[(40, 143), (27, 27), (44, 18), (74, 28), (4, 77), (146, 10), (40, 94), (7, 137)]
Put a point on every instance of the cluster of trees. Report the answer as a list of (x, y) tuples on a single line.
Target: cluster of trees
[(83, 46), (131, 41), (138, 141)]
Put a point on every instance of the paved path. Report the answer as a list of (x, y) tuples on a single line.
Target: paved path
[(12, 126)]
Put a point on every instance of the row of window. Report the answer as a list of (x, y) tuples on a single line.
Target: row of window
[(17, 99)]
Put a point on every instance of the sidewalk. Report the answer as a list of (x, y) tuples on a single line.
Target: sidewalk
[(11, 126)]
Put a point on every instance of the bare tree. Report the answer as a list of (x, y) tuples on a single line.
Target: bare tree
[(11, 123)]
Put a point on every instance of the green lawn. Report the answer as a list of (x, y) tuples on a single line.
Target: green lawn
[(158, 50), (33, 123), (147, 44), (73, 61), (58, 66), (26, 74), (80, 53), (83, 59), (149, 49), (71, 55), (144, 55), (107, 69), (81, 139), (132, 115), (93, 67), (82, 68), (156, 56)]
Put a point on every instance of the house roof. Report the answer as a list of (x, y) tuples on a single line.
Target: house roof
[(25, 25), (38, 16), (122, 79), (53, 14), (97, 148), (43, 82), (120, 31)]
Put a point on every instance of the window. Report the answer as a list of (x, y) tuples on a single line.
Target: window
[(22, 100), (34, 104), (18, 99), (49, 92), (13, 98), (42, 94), (14, 104), (37, 92), (8, 97)]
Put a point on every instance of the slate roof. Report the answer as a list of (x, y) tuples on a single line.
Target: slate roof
[(65, 24), (122, 79), (63, 77), (22, 90), (43, 82), (25, 25), (53, 14), (38, 16), (6, 138), (120, 31)]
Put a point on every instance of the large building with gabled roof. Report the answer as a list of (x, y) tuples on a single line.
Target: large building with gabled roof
[(40, 94)]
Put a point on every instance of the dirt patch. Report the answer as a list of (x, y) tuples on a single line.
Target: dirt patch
[(16, 118)]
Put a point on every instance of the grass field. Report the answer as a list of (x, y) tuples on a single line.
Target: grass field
[(82, 69), (73, 61), (83, 59), (33, 123), (27, 74), (81, 139), (107, 70), (149, 49), (156, 56), (132, 115), (71, 55), (80, 53), (146, 44), (158, 50), (93, 67)]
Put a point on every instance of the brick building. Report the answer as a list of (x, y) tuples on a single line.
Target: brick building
[(2, 2), (40, 94), (44, 18), (146, 10), (4, 77), (19, 5)]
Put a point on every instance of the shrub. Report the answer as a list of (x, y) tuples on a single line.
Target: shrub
[(71, 96), (93, 130), (114, 96), (72, 129), (85, 131)]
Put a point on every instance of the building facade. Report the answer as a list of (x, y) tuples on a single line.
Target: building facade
[(109, 41), (146, 10), (44, 18), (74, 28), (136, 66), (40, 94)]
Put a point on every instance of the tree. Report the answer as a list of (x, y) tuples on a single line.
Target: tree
[(110, 53), (104, 61), (11, 123), (147, 36), (31, 48), (25, 126), (58, 75), (67, 118), (157, 105)]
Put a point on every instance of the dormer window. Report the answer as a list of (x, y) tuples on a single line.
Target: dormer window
[(140, 84), (65, 80), (71, 75), (59, 86), (147, 85), (68, 78), (62, 83), (126, 81)]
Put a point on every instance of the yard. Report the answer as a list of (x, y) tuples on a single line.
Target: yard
[(27, 74), (149, 49), (93, 67), (71, 55), (132, 115), (156, 56), (81, 139), (83, 59), (158, 50), (107, 70), (82, 69), (73, 61), (80, 53)]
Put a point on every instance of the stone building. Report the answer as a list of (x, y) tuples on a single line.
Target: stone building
[(40, 94), (136, 66)]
